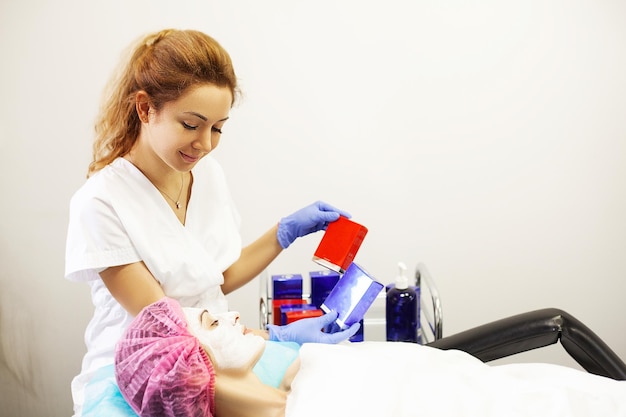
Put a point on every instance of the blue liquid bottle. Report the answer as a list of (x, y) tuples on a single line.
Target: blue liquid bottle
[(401, 309)]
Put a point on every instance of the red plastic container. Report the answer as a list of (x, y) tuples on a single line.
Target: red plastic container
[(339, 245), (277, 304), (296, 315)]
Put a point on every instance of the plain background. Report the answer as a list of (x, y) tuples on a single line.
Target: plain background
[(485, 139)]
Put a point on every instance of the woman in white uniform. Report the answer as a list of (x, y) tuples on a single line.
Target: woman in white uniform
[(155, 216)]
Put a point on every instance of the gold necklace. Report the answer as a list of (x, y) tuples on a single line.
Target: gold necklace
[(177, 201), (180, 192)]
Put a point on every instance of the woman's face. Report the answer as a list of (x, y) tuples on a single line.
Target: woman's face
[(185, 130), (227, 341)]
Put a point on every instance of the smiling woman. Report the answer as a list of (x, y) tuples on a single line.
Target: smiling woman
[(155, 217), (157, 69), (182, 131)]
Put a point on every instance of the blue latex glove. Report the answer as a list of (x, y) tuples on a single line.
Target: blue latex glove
[(310, 331), (307, 220)]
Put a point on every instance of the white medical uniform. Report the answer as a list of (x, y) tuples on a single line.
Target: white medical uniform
[(118, 217)]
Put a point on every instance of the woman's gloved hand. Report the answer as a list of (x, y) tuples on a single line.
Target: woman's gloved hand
[(307, 220), (310, 331)]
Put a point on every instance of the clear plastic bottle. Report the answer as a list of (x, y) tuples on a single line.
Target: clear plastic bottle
[(401, 309)]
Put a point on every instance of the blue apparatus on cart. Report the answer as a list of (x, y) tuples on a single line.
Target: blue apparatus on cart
[(307, 291)]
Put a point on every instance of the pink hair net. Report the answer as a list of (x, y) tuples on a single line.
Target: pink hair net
[(161, 368)]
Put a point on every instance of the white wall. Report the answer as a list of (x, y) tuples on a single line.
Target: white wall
[(483, 138)]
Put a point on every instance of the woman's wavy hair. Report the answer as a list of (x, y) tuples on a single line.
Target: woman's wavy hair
[(164, 65)]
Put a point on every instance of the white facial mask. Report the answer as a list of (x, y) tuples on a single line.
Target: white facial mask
[(230, 348)]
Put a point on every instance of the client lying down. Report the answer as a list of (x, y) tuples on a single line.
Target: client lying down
[(187, 362)]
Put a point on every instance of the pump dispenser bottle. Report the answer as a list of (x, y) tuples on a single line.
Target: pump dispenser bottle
[(401, 309)]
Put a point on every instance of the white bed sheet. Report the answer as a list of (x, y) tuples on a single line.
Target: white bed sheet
[(404, 379)]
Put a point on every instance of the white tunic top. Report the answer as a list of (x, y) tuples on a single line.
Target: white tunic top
[(118, 217)]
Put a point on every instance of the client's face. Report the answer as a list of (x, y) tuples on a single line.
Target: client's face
[(225, 339)]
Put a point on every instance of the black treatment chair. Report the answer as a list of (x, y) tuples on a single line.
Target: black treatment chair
[(520, 333), (536, 329)]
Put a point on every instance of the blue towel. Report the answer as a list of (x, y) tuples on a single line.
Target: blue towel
[(274, 362), (103, 398)]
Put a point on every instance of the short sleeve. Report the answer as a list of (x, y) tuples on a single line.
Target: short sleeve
[(96, 238)]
